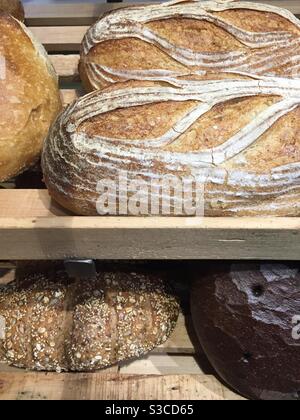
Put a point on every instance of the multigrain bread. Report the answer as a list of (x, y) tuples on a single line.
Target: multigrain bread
[(51, 324), (246, 317), (182, 39), (236, 135), (12, 7), (29, 97)]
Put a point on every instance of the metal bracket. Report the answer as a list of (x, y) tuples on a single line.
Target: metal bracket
[(80, 268)]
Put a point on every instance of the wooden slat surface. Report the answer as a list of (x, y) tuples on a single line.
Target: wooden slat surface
[(164, 364), (66, 66), (60, 38), (40, 386), (30, 229), (86, 13)]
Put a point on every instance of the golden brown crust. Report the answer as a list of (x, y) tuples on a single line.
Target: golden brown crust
[(209, 90), (13, 7), (239, 137), (29, 97), (189, 38), (50, 324)]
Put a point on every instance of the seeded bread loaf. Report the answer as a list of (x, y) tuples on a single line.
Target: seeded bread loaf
[(238, 136), (50, 324), (247, 320), (13, 7), (184, 39), (29, 99)]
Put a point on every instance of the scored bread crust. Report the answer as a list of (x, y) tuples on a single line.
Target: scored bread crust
[(180, 39), (29, 97), (238, 137), (50, 324), (13, 7)]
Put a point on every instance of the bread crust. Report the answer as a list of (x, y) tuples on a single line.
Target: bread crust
[(244, 316), (29, 97), (164, 42), (14, 8), (237, 137), (52, 324)]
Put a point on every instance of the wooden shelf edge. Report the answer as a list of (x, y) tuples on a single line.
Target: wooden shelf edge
[(34, 227), (99, 386)]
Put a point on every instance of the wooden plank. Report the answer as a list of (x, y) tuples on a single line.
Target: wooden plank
[(165, 364), (60, 38), (7, 275), (66, 67), (86, 13), (180, 341), (97, 386), (29, 217), (69, 95)]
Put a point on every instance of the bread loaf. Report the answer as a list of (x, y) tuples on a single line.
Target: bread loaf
[(13, 7), (50, 324), (29, 99), (184, 39), (247, 320), (238, 136)]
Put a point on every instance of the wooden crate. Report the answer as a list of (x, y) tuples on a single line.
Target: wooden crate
[(33, 227)]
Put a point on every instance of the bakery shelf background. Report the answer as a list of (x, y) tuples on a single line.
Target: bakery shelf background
[(33, 227)]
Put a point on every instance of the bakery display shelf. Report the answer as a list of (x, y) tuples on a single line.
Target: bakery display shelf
[(33, 227), (171, 371)]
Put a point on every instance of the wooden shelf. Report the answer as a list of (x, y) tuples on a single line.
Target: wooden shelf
[(33, 227), (99, 386)]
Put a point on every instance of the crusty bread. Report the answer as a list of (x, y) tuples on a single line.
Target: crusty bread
[(13, 7), (246, 316), (182, 39), (48, 323), (237, 136), (216, 97), (29, 99)]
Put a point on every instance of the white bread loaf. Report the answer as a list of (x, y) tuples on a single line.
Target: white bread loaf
[(48, 323)]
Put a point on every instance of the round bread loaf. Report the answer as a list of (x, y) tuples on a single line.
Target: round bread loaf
[(13, 7), (29, 100), (247, 319), (50, 324)]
